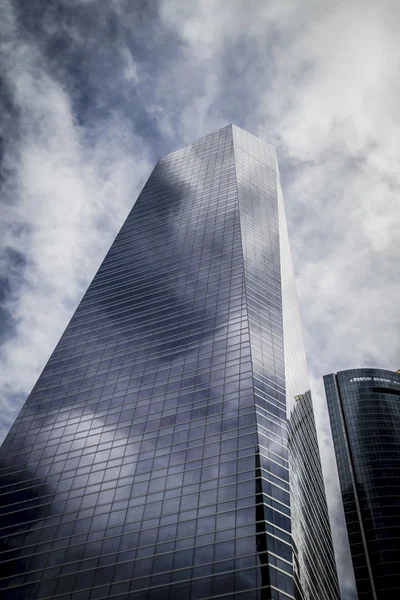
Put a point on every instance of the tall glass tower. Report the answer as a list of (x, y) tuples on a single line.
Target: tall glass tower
[(151, 460), (364, 409)]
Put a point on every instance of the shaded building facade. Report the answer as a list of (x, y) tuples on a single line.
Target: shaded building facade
[(364, 410), (151, 460)]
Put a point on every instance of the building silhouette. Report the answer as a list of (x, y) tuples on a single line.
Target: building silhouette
[(151, 460), (364, 409)]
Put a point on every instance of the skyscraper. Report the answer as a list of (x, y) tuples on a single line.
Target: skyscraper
[(151, 460), (364, 409)]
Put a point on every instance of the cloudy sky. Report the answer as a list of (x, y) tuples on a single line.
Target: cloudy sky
[(94, 92)]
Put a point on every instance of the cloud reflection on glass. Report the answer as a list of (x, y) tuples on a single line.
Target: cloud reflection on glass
[(151, 458)]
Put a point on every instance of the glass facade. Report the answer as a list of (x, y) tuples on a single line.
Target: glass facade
[(364, 409), (151, 460), (313, 556)]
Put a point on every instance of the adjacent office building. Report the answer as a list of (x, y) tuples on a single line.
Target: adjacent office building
[(151, 460), (364, 409)]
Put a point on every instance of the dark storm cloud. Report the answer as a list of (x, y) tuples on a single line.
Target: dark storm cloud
[(105, 56), (16, 263)]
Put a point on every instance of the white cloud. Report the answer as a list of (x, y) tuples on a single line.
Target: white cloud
[(65, 200), (130, 68)]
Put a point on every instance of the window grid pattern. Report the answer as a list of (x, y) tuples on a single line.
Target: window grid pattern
[(314, 559), (150, 460), (365, 421), (258, 204), (313, 556)]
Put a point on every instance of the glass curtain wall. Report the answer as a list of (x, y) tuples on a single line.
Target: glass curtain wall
[(150, 460)]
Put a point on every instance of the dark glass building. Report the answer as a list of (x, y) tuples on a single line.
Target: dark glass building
[(151, 460), (364, 409)]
